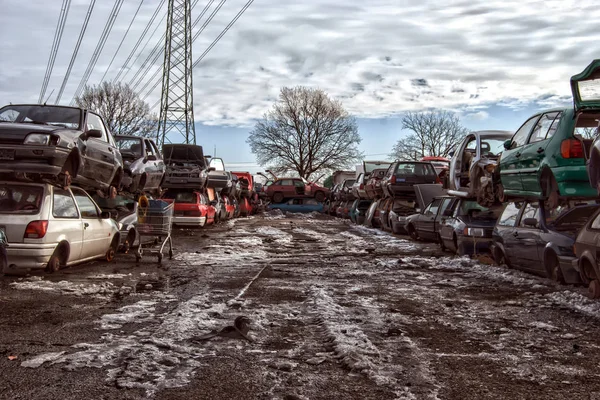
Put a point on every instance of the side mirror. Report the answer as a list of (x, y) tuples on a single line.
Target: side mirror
[(105, 215), (211, 169), (92, 133), (507, 144), (531, 222)]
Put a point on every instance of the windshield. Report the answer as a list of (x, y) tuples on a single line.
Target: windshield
[(371, 166), (181, 197), (65, 117), (473, 210), (129, 147), (492, 147), (20, 199), (418, 169)]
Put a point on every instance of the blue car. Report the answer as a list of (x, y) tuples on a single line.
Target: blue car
[(301, 205)]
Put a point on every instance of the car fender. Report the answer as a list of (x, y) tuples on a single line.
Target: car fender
[(550, 247), (587, 255)]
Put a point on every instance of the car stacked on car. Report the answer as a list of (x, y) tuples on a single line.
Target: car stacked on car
[(530, 199)]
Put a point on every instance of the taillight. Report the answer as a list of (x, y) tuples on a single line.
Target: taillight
[(393, 179), (437, 179), (36, 230), (362, 186), (571, 148)]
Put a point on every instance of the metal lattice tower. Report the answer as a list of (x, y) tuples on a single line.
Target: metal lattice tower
[(176, 106)]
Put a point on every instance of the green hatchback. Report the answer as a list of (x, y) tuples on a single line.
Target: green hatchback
[(546, 157)]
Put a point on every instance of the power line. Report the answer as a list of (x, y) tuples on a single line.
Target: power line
[(159, 70), (103, 37), (60, 27), (124, 67), (239, 14), (122, 40), (74, 56)]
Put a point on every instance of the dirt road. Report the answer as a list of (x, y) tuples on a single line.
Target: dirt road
[(337, 311)]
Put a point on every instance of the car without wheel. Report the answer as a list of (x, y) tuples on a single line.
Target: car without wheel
[(191, 208), (546, 157), (467, 227), (186, 166), (143, 165), (426, 224), (587, 253), (373, 188), (471, 173), (287, 188), (51, 227), (59, 145), (531, 237), (402, 176)]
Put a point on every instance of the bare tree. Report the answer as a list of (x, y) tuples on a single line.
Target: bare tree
[(305, 131), (435, 133), (121, 107)]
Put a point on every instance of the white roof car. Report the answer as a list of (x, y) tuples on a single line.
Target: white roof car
[(49, 227)]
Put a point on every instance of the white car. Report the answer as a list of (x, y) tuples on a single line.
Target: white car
[(49, 227)]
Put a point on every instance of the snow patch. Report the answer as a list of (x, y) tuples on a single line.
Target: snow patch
[(66, 287), (141, 311)]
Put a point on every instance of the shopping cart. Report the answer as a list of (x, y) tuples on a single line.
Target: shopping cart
[(155, 218)]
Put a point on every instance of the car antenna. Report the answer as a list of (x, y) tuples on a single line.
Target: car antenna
[(48, 98)]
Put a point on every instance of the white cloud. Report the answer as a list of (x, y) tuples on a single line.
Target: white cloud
[(478, 116), (378, 57)]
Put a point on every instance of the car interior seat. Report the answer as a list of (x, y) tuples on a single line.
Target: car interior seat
[(136, 149)]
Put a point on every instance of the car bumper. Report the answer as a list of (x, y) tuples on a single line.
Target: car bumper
[(570, 269), (573, 181), (189, 221), (402, 191), (35, 159), (29, 256)]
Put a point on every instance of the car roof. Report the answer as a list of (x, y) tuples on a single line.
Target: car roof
[(491, 133), (25, 183), (131, 137), (46, 105)]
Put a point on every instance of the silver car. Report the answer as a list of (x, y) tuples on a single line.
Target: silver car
[(143, 165), (49, 227)]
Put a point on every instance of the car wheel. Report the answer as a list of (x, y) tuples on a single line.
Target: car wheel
[(320, 196), (500, 258), (460, 249), (553, 270), (412, 232), (110, 253), (58, 258), (550, 190), (278, 197), (586, 272), (500, 193), (441, 242)]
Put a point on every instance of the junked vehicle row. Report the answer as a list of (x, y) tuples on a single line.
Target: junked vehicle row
[(73, 192), (530, 199)]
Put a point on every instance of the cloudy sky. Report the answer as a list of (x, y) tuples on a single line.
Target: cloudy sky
[(493, 62)]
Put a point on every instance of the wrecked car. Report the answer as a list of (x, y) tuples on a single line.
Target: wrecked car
[(473, 166), (51, 227), (303, 205), (425, 225), (546, 157), (466, 227), (186, 166), (373, 188), (191, 208), (402, 176), (295, 187), (59, 145), (531, 237), (143, 166), (587, 253)]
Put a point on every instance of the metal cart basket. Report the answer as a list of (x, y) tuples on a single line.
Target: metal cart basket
[(156, 219)]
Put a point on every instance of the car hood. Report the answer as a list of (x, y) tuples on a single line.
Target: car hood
[(189, 153), (19, 131)]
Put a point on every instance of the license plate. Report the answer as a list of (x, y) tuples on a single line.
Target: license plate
[(401, 180), (7, 154)]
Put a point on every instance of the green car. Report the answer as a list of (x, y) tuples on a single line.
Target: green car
[(546, 157)]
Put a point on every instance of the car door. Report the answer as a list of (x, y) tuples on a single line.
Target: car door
[(510, 161), (154, 165), (534, 151), (95, 237), (66, 215), (459, 165), (99, 154), (299, 188), (529, 246), (505, 231), (441, 216), (427, 220), (446, 228)]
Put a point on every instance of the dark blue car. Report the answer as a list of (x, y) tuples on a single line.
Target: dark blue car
[(301, 205)]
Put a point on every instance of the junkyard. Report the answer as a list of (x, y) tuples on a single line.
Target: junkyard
[(341, 200), (336, 311)]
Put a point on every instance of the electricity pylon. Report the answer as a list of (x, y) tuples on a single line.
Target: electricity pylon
[(176, 122)]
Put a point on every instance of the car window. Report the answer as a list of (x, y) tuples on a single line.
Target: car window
[(360, 178), (86, 205), (432, 209), (203, 200), (554, 125), (445, 203), (521, 135), (149, 149), (154, 148), (596, 222), (63, 205), (531, 211), (130, 147), (542, 127), (95, 122), (509, 215), (298, 183), (20, 199)]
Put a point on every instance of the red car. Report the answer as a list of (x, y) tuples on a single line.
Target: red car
[(286, 188), (246, 183), (229, 207), (191, 208), (440, 164), (373, 187)]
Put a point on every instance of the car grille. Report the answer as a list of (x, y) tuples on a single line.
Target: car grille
[(4, 140)]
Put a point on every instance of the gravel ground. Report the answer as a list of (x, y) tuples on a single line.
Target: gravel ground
[(337, 312)]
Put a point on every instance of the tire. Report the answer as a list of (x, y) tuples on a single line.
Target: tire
[(112, 250), (460, 250), (277, 197), (553, 270), (550, 189), (500, 258), (412, 232), (441, 243), (58, 258), (320, 196)]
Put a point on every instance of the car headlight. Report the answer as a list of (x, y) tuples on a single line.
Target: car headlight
[(120, 226), (37, 138), (474, 232)]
